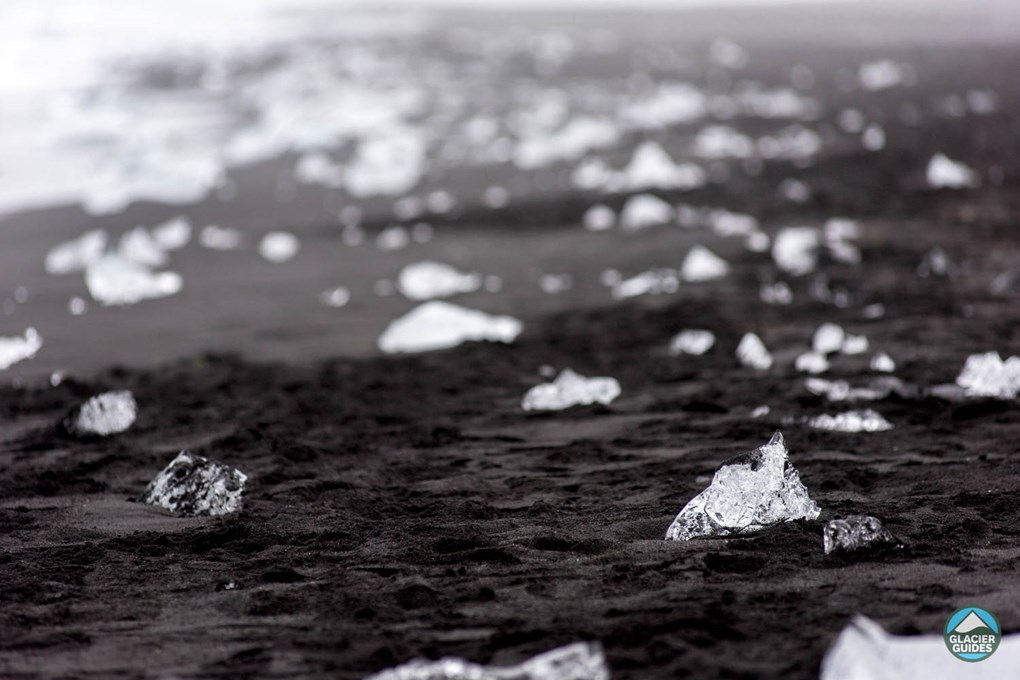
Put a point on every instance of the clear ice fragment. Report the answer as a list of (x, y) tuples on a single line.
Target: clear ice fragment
[(987, 375), (691, 341), (748, 493), (577, 661), (751, 352), (570, 389), (192, 485), (440, 325), (865, 420), (854, 532), (103, 415)]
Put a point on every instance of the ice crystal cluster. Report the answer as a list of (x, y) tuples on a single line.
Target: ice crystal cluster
[(104, 415), (577, 661), (192, 485), (748, 493), (854, 532)]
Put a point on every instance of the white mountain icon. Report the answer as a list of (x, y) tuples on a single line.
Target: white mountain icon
[(970, 622)]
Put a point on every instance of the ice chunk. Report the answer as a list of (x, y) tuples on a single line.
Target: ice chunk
[(751, 352), (987, 375), (883, 363), (173, 234), (652, 282), (104, 414), (778, 293), (701, 264), (13, 350), (794, 190), (577, 661), (750, 492), (192, 485), (691, 341), (841, 390), (828, 338), (279, 246), (335, 297), (854, 344), (944, 172), (720, 141), (726, 223), (851, 421), (427, 280), (883, 74), (812, 362), (139, 246), (113, 280), (652, 168), (795, 249), (761, 411), (440, 325), (873, 138), (77, 254), (392, 238), (570, 389), (645, 210), (854, 532), (864, 651), (599, 218), (219, 238)]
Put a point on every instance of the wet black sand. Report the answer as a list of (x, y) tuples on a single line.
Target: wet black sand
[(406, 506)]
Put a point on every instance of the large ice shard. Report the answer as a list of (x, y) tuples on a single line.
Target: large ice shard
[(854, 532), (864, 651), (577, 661), (570, 389), (441, 325), (19, 348), (427, 280), (103, 415), (749, 492), (865, 420), (987, 375), (192, 485)]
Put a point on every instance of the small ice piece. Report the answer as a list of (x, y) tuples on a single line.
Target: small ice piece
[(496, 197), (335, 297), (427, 280), (219, 238), (864, 651), (935, 262), (570, 389), (441, 325), (945, 173), (653, 282), (854, 532), (139, 246), (191, 486), (865, 420), (841, 390), (748, 493), (874, 311), (883, 363), (701, 264), (77, 306), (77, 254), (645, 210), (794, 190), (987, 375), (854, 344), (599, 218), (873, 138), (577, 661), (726, 223), (551, 284), (18, 348), (422, 232), (103, 415), (279, 246), (778, 293), (173, 234), (752, 353), (883, 74), (813, 362), (113, 280), (795, 249), (652, 168), (392, 238), (761, 411), (828, 338), (691, 341)]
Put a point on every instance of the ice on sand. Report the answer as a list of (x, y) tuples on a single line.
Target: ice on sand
[(19, 348), (795, 250), (854, 532), (751, 352), (748, 493), (441, 325), (811, 362), (864, 651), (987, 375), (883, 363), (114, 280), (692, 341), (945, 173), (599, 218), (570, 389), (77, 254), (427, 280), (828, 338), (104, 414), (645, 210), (653, 282), (279, 246), (841, 390), (865, 420), (701, 264), (192, 485), (577, 661)]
